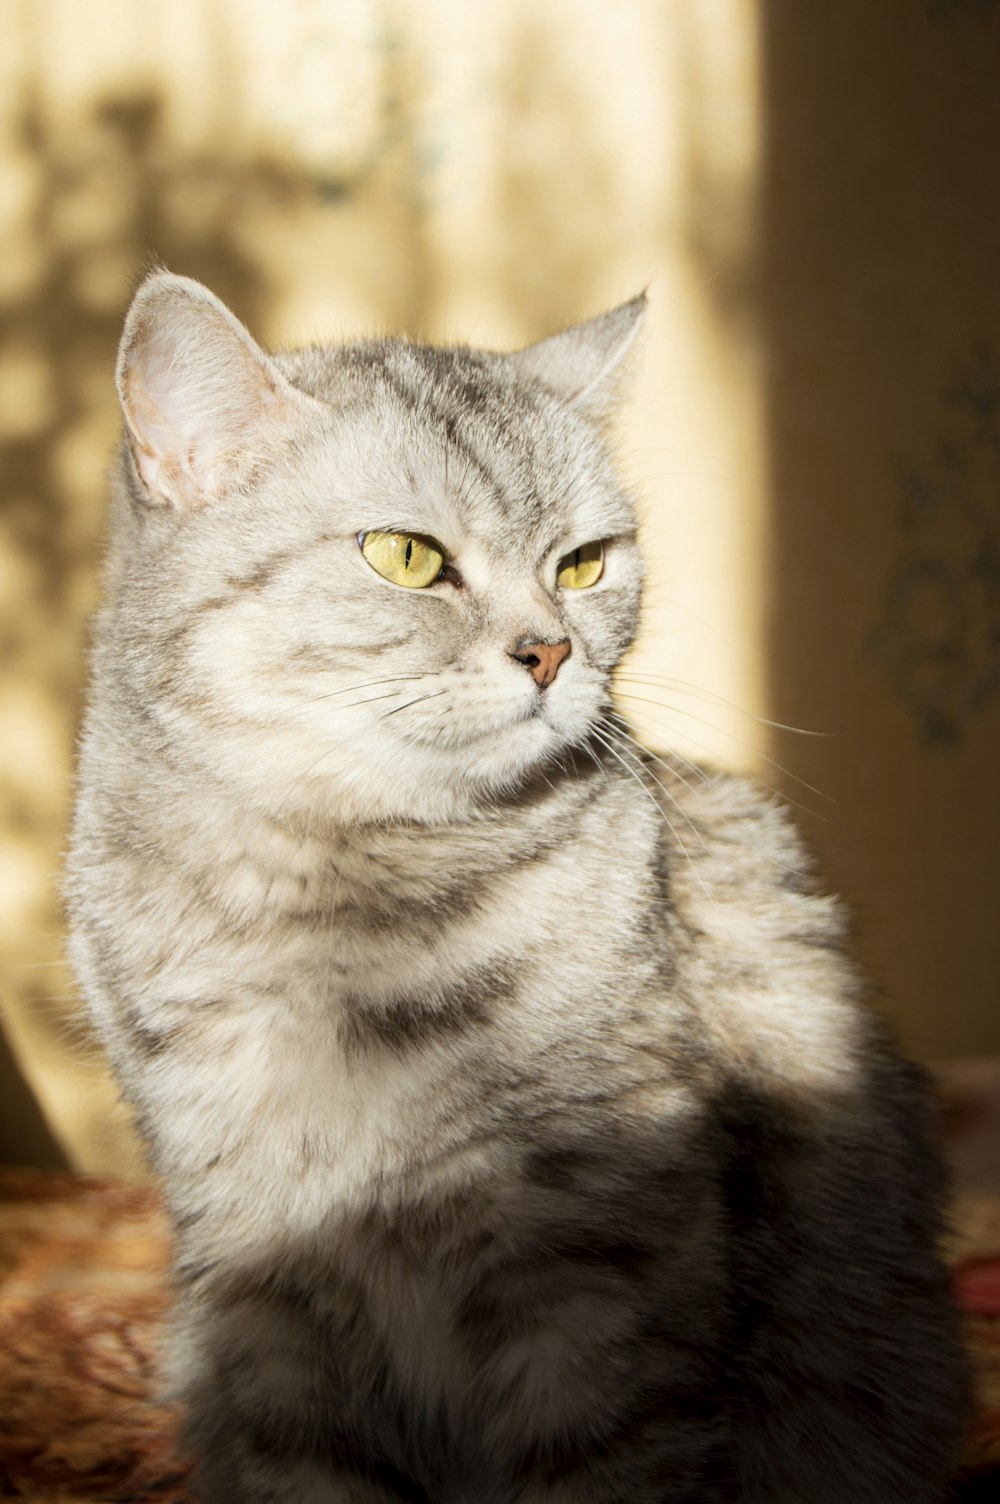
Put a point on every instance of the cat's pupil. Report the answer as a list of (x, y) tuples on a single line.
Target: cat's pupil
[(409, 552)]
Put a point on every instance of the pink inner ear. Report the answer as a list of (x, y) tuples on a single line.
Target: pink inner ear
[(200, 398)]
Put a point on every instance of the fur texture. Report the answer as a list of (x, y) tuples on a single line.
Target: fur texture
[(525, 1134)]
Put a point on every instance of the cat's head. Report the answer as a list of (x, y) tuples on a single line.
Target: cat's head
[(372, 581)]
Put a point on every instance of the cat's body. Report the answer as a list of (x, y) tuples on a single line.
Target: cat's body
[(525, 1139)]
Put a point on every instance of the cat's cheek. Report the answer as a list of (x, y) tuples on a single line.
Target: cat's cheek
[(226, 659), (607, 630)]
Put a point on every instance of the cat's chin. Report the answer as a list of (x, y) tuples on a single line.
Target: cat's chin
[(510, 761), (514, 748), (446, 783)]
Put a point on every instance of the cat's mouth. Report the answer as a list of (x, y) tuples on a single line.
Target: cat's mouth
[(537, 713), (511, 729)]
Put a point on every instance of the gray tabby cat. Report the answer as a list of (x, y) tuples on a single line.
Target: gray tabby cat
[(524, 1135)]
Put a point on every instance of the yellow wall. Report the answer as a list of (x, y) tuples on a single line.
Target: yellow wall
[(808, 191)]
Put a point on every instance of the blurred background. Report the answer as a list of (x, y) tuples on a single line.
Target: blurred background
[(810, 193)]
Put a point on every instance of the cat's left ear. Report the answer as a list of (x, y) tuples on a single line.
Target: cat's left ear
[(585, 364)]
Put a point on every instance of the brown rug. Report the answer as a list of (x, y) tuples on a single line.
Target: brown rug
[(83, 1292)]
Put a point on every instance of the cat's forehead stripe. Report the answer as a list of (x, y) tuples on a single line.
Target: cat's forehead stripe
[(459, 431), (440, 424), (470, 417)]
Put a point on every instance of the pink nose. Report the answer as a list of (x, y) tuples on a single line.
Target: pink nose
[(542, 659)]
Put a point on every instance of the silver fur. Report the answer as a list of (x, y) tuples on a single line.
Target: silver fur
[(526, 1139)]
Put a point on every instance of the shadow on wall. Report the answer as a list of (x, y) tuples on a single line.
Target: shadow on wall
[(111, 199), (25, 1136), (525, 176), (146, 205), (881, 238), (113, 194)]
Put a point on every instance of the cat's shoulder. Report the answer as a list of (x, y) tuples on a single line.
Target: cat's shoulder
[(739, 858), (731, 818)]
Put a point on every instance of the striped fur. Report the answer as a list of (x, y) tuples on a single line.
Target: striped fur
[(525, 1132)]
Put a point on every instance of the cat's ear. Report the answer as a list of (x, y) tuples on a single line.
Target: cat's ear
[(586, 363), (202, 402)]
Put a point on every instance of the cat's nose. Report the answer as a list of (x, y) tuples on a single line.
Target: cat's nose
[(542, 659)]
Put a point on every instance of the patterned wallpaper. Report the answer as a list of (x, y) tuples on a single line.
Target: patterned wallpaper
[(939, 640)]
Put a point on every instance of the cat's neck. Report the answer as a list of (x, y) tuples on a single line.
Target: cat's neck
[(260, 865)]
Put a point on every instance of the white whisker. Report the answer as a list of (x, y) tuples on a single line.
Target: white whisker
[(656, 805), (612, 731), (365, 684), (682, 686), (624, 729), (778, 767)]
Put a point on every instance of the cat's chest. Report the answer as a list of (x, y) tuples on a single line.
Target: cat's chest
[(337, 1061), (341, 1035)]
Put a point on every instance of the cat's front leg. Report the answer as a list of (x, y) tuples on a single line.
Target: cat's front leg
[(281, 1377), (851, 1380), (241, 1475), (582, 1492)]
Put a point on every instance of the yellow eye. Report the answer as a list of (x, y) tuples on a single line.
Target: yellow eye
[(403, 558), (582, 568)]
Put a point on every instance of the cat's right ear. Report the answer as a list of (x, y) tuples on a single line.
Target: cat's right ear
[(202, 402)]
